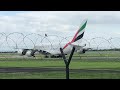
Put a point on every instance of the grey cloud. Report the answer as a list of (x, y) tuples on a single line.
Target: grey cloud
[(55, 21), (94, 17)]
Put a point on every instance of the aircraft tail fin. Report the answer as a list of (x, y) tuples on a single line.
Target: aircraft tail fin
[(80, 33)]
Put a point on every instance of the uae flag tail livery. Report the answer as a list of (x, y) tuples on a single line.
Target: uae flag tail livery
[(79, 34)]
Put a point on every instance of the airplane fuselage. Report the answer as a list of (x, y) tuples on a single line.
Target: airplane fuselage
[(54, 49)]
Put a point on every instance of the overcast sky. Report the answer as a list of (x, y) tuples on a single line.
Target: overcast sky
[(54, 22), (63, 23)]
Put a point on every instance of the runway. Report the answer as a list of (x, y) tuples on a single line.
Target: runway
[(39, 70)]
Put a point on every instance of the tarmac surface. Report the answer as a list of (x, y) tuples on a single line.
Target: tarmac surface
[(31, 69)]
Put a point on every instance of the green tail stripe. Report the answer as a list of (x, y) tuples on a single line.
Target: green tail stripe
[(82, 27)]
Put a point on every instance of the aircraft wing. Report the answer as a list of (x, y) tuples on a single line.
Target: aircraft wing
[(77, 45)]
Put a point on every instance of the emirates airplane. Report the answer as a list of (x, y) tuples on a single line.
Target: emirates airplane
[(55, 52)]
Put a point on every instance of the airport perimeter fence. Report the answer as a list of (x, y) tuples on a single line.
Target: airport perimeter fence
[(11, 43)]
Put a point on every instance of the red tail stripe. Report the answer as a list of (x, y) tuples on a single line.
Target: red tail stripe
[(74, 37), (71, 41)]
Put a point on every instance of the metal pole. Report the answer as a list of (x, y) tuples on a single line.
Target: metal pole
[(71, 54), (63, 55), (67, 71), (67, 62)]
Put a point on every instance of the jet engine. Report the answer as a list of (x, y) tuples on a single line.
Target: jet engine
[(81, 51), (22, 51), (27, 52), (31, 53)]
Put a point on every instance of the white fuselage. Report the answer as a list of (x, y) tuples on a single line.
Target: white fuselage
[(54, 49)]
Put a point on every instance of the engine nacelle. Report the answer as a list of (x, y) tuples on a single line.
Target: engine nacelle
[(31, 53), (22, 51), (27, 52), (81, 51)]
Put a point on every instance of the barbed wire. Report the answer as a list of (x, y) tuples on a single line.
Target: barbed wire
[(11, 43)]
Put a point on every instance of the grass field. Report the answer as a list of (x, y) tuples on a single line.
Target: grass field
[(91, 65)]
